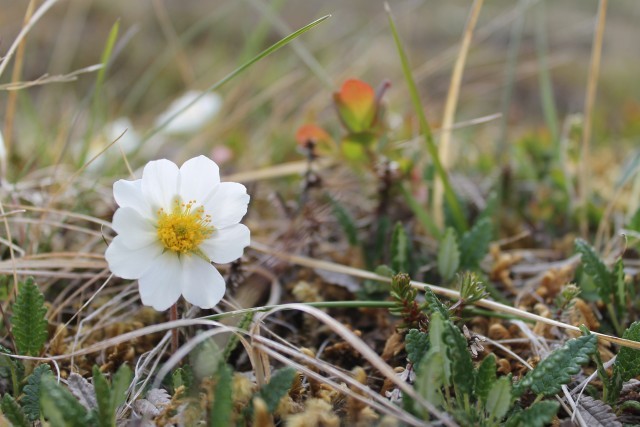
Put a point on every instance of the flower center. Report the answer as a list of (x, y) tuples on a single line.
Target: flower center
[(184, 228)]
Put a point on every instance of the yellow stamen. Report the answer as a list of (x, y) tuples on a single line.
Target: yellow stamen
[(184, 228)]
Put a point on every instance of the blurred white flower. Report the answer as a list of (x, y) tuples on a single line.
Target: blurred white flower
[(193, 118), (129, 141), (171, 225)]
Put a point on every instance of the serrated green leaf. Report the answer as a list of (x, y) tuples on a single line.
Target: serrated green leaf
[(448, 255), (417, 344), (594, 267), (103, 397), (462, 372), (620, 288), (345, 220), (485, 377), (400, 249), (430, 378), (277, 388), (539, 414), (222, 408), (110, 396), (31, 399), (59, 406), (29, 324), (13, 412), (499, 399), (436, 344), (628, 360), (434, 304), (474, 244), (556, 370)]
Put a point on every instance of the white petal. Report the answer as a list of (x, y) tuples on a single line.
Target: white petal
[(226, 244), (129, 194), (160, 285), (130, 263), (228, 204), (134, 230), (202, 284), (160, 183), (199, 177)]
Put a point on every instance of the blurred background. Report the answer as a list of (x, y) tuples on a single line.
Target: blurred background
[(166, 48)]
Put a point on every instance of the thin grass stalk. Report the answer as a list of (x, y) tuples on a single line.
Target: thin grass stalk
[(185, 69), (12, 99), (450, 110), (303, 53), (589, 102), (515, 39), (438, 290), (544, 78), (452, 200), (281, 43)]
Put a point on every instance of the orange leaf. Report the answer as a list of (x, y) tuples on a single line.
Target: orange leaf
[(356, 102)]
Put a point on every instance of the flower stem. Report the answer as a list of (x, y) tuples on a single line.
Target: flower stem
[(173, 315)]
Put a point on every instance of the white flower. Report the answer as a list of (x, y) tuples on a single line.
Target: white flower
[(193, 118), (171, 225)]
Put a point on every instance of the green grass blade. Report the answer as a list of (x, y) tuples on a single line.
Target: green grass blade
[(283, 42), (421, 213), (100, 78), (450, 196)]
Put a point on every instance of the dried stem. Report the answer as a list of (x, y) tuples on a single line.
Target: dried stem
[(450, 109), (592, 85)]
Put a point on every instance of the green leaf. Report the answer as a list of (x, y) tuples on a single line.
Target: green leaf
[(421, 213), (417, 344), (182, 377), (634, 222), (485, 377), (448, 255), (462, 372), (437, 345), (120, 385), (499, 399), (399, 249), (474, 244), (434, 304), (594, 267), (430, 378), (620, 288), (31, 399), (222, 408), (345, 220), (556, 370), (628, 361), (277, 388), (103, 397), (13, 412), (539, 414), (29, 322), (110, 396), (59, 406)]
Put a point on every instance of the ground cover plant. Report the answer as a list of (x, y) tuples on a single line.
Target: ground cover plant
[(319, 213)]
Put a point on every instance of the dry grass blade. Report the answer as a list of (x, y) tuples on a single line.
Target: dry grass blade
[(449, 293), (368, 353), (589, 102), (450, 109), (23, 33), (47, 79)]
